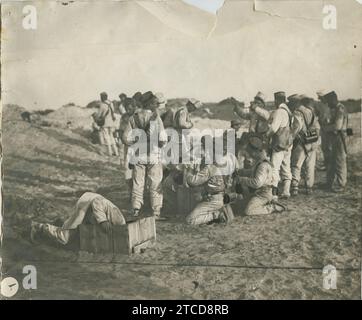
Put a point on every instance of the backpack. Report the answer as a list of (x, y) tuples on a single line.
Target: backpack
[(171, 118), (311, 135), (283, 139), (101, 121)]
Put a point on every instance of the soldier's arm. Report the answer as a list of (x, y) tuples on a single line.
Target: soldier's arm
[(127, 138), (243, 113), (261, 112), (259, 179), (198, 178)]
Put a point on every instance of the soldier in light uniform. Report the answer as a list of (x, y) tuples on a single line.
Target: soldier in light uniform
[(278, 119), (106, 113), (256, 183), (148, 165), (303, 153), (130, 108), (255, 113), (91, 208), (337, 165), (214, 179)]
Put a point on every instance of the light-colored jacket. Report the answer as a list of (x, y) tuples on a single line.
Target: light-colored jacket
[(103, 210)]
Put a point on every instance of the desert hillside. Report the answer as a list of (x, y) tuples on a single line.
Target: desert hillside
[(49, 163)]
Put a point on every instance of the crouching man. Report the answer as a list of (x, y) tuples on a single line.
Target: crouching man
[(91, 208), (214, 180), (256, 183)]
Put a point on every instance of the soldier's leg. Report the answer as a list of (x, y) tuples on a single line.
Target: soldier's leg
[(340, 164), (310, 163), (258, 205), (331, 166), (57, 234), (138, 185), (206, 211), (285, 173), (297, 160), (276, 160), (154, 177)]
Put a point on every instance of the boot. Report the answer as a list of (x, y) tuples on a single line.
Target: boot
[(294, 189), (278, 207), (308, 191), (157, 216), (275, 193), (285, 189)]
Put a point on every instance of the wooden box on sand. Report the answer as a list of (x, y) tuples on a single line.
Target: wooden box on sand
[(126, 239)]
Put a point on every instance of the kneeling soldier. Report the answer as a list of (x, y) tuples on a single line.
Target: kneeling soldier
[(259, 182), (214, 178)]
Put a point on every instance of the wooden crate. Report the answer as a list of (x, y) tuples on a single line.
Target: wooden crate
[(126, 239), (186, 201)]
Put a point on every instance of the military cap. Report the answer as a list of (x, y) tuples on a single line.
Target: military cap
[(137, 96), (330, 96), (321, 93), (147, 97), (294, 97), (255, 143), (279, 94)]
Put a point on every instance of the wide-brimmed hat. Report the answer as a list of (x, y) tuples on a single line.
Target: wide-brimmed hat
[(255, 143), (196, 103)]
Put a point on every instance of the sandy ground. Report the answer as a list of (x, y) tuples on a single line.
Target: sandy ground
[(271, 257)]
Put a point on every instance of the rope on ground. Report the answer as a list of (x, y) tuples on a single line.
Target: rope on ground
[(196, 265)]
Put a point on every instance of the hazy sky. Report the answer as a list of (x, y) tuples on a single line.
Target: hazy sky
[(83, 48)]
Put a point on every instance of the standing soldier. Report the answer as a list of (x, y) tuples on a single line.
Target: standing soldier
[(148, 164), (279, 136), (306, 136), (337, 166), (105, 120), (255, 113), (130, 107)]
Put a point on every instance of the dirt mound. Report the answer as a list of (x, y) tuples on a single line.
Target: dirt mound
[(12, 112), (73, 116)]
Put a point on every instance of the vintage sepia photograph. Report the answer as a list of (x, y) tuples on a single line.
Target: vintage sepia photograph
[(181, 150)]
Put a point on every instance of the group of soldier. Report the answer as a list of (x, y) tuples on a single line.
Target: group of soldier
[(279, 147)]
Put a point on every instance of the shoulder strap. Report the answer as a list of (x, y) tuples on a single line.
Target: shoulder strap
[(289, 116), (109, 109), (305, 119)]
